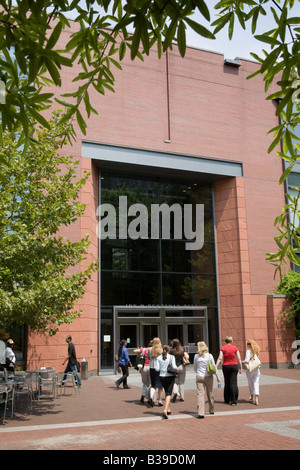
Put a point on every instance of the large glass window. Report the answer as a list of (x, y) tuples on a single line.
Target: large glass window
[(160, 270), (293, 181)]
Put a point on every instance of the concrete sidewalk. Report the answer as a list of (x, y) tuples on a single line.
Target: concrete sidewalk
[(103, 417)]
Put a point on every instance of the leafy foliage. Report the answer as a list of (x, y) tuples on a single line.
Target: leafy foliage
[(39, 195), (281, 66), (31, 57), (290, 287)]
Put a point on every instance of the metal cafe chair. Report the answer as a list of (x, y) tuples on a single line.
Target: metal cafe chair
[(6, 396), (47, 378), (70, 380), (24, 387), (4, 375)]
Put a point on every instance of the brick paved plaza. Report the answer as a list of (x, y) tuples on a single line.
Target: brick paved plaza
[(103, 417)]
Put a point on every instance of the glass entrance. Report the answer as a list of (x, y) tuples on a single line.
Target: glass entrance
[(139, 324), (157, 272)]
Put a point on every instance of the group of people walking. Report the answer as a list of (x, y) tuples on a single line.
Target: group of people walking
[(164, 370), (155, 373), (232, 365)]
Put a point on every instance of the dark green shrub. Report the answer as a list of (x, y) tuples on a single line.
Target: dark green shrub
[(290, 287)]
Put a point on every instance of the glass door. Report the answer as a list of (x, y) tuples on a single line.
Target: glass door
[(195, 334), (149, 331), (130, 334), (175, 331)]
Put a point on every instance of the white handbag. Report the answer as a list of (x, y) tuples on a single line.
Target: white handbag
[(253, 363)]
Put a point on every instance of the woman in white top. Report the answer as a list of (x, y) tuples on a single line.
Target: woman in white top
[(10, 356), (153, 353), (167, 379), (204, 380), (253, 377)]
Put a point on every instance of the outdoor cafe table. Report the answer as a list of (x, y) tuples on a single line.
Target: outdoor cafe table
[(12, 379), (39, 372)]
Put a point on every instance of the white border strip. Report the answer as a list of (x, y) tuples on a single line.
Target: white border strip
[(111, 422)]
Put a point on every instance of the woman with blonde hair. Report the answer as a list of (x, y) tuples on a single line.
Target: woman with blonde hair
[(153, 353), (253, 377), (204, 380)]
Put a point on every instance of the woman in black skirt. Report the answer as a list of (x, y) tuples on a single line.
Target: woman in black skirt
[(153, 353), (167, 379)]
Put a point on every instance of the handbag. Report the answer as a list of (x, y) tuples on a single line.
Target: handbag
[(253, 364), (211, 368), (185, 360), (140, 361), (171, 370)]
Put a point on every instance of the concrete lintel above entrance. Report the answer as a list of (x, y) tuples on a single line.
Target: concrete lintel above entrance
[(110, 155)]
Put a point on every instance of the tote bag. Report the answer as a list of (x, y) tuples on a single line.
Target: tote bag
[(253, 364), (211, 369)]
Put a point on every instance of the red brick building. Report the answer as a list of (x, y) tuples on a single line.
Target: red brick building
[(189, 130)]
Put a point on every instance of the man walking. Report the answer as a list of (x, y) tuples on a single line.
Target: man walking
[(72, 362)]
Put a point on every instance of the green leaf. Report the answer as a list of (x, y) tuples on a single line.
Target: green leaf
[(145, 38), (51, 67), (170, 34), (122, 50), (202, 7), (54, 36), (285, 174), (275, 142), (81, 122), (231, 26), (267, 39), (221, 22), (136, 39), (125, 21), (293, 20), (181, 39), (270, 59), (284, 102), (116, 64), (199, 29), (38, 117), (64, 103)]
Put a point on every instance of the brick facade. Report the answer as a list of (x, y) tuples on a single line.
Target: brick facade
[(196, 106)]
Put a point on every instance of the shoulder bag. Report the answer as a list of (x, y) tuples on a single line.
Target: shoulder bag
[(211, 369), (171, 370), (185, 360), (253, 364), (140, 361)]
